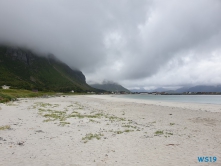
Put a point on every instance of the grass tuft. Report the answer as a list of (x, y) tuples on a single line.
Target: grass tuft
[(91, 136), (159, 132), (6, 127)]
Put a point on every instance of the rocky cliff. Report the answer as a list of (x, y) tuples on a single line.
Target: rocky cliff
[(21, 68)]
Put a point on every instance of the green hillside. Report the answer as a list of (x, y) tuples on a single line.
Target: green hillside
[(22, 69)]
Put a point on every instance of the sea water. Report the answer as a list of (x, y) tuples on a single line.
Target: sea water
[(206, 99)]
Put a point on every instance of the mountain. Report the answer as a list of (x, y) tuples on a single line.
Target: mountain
[(139, 90), (201, 88), (154, 90), (22, 69), (110, 86), (198, 88)]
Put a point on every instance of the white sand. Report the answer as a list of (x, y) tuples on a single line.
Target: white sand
[(189, 131)]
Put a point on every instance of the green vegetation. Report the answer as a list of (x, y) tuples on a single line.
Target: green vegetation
[(128, 131), (45, 105), (22, 69), (171, 124), (120, 132), (129, 126), (62, 116), (73, 111), (115, 118), (78, 115), (53, 115), (94, 121), (166, 134), (169, 133), (90, 136), (5, 98), (6, 127), (64, 123), (158, 132), (12, 94)]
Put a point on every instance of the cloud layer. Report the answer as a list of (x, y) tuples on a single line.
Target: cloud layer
[(141, 43)]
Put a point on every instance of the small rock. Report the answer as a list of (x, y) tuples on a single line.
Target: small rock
[(21, 143), (39, 131)]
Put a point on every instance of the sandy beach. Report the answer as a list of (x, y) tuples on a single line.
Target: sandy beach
[(101, 130)]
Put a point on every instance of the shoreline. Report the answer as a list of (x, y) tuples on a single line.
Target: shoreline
[(185, 105), (103, 130)]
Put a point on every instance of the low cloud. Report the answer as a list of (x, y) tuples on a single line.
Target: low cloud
[(136, 43)]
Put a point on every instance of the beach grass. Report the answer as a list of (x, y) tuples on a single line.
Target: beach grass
[(50, 113), (129, 126), (159, 132), (63, 123), (91, 136), (7, 95), (169, 133), (6, 127)]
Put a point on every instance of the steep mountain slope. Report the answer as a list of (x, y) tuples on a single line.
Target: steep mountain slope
[(110, 86), (21, 68)]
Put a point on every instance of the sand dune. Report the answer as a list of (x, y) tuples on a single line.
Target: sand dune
[(104, 130)]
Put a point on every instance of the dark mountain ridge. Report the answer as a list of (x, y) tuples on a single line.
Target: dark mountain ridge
[(21, 68), (110, 86)]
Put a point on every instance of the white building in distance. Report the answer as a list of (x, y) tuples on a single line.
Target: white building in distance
[(5, 87)]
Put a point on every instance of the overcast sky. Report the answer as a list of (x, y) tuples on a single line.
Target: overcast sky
[(137, 43)]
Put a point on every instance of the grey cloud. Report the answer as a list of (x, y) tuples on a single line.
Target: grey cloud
[(137, 43), (173, 28)]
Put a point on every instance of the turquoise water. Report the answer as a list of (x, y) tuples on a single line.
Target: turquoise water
[(206, 99)]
